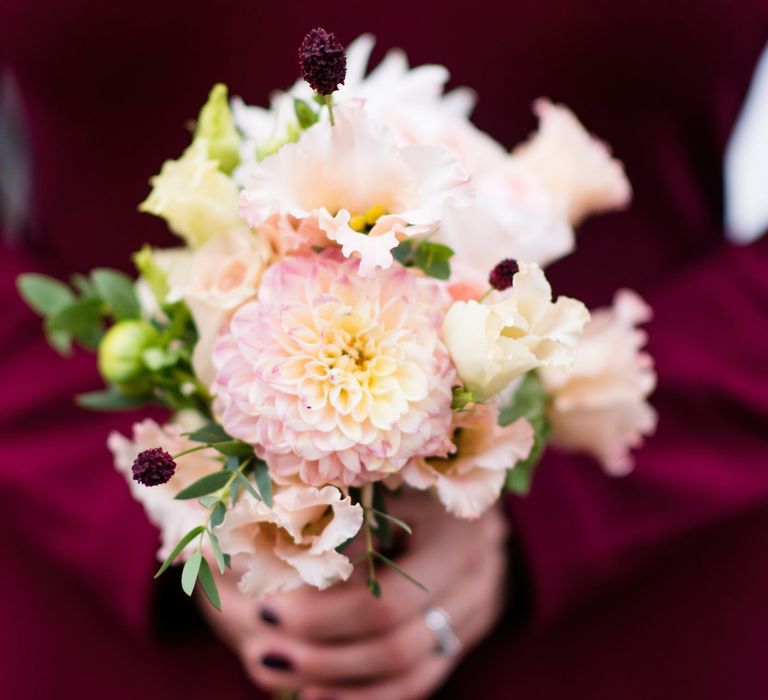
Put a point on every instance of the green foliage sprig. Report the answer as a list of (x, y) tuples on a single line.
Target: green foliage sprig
[(432, 258), (529, 401), (141, 361), (377, 523), (217, 491)]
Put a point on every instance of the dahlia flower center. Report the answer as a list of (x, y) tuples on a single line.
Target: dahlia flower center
[(349, 360)]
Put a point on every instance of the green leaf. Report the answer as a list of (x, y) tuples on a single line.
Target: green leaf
[(78, 316), (263, 481), (232, 463), (234, 492), (183, 542), (391, 518), (304, 113), (374, 587), (44, 294), (246, 484), (111, 399), (190, 571), (89, 336), (83, 285), (60, 341), (395, 567), (217, 514), (434, 259), (116, 289), (403, 253), (216, 547), (209, 433), (234, 448), (209, 584), (205, 485), (208, 501), (529, 401), (520, 477)]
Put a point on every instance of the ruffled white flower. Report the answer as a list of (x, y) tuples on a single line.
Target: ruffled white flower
[(514, 331), (574, 166), (600, 406), (352, 171), (194, 196), (527, 204), (173, 518), (293, 542), (469, 479), (411, 101), (513, 216), (214, 281)]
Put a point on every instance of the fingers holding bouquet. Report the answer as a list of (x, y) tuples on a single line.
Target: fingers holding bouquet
[(341, 643)]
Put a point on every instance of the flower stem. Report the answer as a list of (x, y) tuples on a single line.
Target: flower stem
[(190, 450), (329, 103), (369, 548), (222, 499)]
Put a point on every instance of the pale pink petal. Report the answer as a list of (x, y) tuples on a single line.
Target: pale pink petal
[(600, 406), (575, 167)]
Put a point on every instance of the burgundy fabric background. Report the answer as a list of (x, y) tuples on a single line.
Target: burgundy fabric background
[(649, 587)]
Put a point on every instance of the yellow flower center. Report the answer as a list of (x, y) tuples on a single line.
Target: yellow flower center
[(363, 223)]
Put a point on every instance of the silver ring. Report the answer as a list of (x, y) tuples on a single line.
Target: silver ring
[(439, 623)]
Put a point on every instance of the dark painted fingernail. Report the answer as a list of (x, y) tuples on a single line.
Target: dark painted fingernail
[(269, 616), (276, 662)]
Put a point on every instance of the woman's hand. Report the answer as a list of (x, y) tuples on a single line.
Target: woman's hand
[(345, 644)]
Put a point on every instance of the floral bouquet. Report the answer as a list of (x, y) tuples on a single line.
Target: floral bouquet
[(358, 307)]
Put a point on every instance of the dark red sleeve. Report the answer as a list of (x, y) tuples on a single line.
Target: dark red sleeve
[(61, 498), (707, 463)]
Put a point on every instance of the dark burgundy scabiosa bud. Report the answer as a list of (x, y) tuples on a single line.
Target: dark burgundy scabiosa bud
[(153, 467), (323, 61), (501, 275)]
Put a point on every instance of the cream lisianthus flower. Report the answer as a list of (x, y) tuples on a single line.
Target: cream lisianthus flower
[(575, 167), (293, 542), (173, 518), (600, 406), (194, 196), (511, 332), (469, 479), (214, 281), (363, 190)]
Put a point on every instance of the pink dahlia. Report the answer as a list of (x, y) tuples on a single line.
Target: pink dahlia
[(336, 378)]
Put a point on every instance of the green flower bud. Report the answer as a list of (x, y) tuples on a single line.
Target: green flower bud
[(120, 354), (216, 125)]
